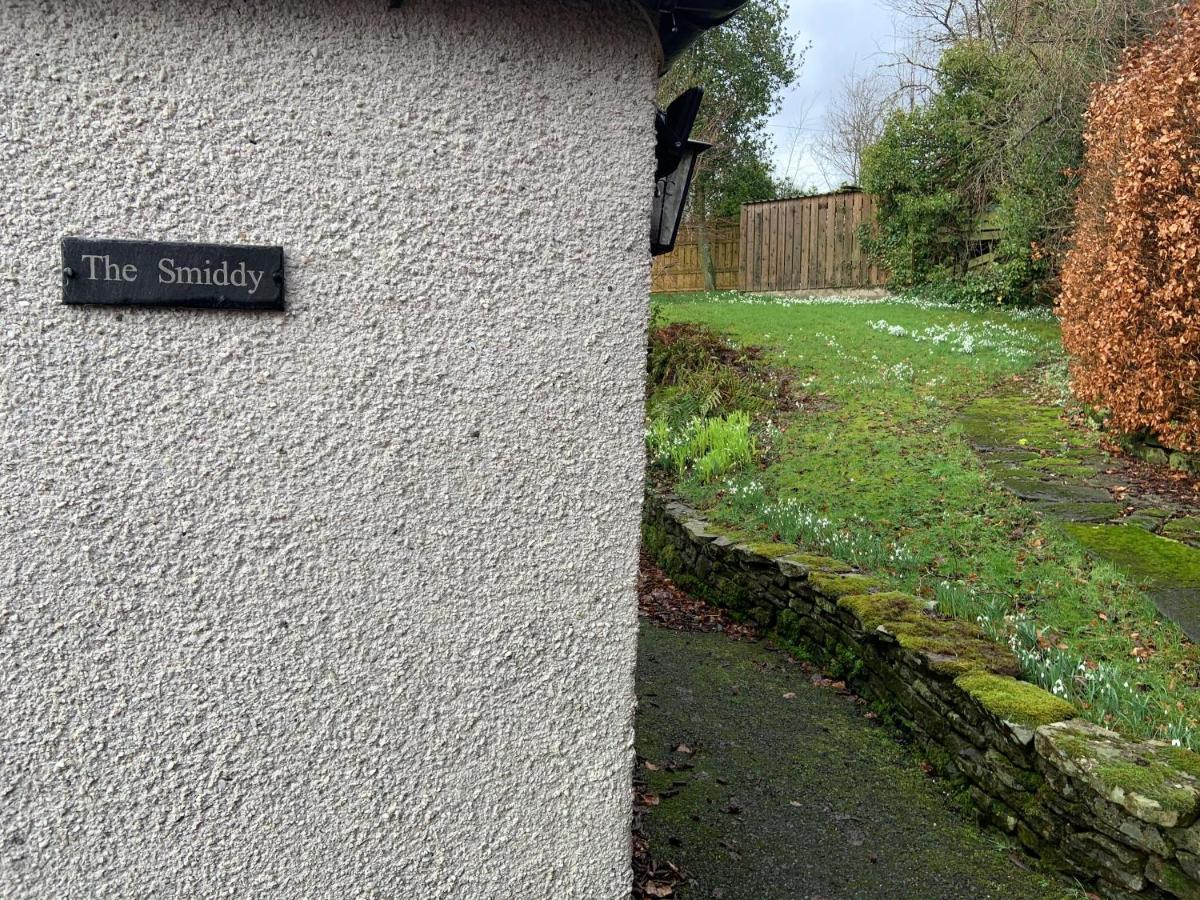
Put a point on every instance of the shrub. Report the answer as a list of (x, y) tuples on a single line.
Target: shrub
[(693, 372), (942, 170), (1130, 302), (922, 172), (709, 447)]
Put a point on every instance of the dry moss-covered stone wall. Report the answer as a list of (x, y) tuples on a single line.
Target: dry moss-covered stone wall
[(1122, 815)]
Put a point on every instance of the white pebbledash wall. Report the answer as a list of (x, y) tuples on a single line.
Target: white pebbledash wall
[(337, 602)]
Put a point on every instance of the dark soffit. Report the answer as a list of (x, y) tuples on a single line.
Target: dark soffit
[(682, 21)]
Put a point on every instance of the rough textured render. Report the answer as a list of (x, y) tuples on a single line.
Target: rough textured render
[(337, 602)]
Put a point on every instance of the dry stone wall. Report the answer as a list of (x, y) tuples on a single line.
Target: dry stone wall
[(1120, 814)]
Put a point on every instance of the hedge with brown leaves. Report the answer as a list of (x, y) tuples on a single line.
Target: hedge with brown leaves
[(1130, 304)]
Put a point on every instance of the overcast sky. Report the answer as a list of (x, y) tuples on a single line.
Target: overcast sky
[(845, 36)]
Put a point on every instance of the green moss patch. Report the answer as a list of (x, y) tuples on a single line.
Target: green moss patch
[(1142, 554), (1171, 878), (885, 609), (1015, 701), (1080, 510), (1179, 758), (949, 645), (819, 563), (771, 549), (1059, 465), (1155, 782), (1029, 487), (1014, 421), (835, 586), (1186, 529)]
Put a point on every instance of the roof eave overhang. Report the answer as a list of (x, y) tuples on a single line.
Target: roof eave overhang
[(680, 22)]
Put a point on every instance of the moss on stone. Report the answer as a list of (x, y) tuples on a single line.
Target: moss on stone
[(1015, 701), (818, 563), (1142, 554), (1185, 528), (658, 544), (771, 549), (874, 610), (1155, 782), (1013, 420), (1059, 465), (789, 628), (1028, 486), (1182, 759), (1184, 462), (1171, 878), (948, 645), (839, 585), (1080, 510)]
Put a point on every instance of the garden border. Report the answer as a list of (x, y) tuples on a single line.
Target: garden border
[(1118, 813), (1150, 449)]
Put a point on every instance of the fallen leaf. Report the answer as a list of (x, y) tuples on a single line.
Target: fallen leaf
[(683, 748), (658, 889), (790, 695)]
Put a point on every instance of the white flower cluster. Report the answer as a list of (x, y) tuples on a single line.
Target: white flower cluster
[(967, 337), (1101, 691), (1021, 313), (850, 541)]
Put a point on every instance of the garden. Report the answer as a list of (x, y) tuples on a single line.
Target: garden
[(936, 447), (991, 471)]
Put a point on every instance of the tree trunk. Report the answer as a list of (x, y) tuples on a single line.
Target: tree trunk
[(703, 247), (705, 253)]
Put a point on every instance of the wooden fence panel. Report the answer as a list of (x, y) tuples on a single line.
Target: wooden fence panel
[(680, 269), (808, 243)]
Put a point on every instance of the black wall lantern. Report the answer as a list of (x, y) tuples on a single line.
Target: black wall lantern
[(676, 153)]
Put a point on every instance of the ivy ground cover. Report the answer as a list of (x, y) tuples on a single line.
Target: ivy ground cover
[(856, 448)]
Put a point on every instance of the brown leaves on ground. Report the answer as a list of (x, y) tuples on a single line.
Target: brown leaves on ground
[(1143, 646), (1143, 479), (660, 601), (652, 878), (682, 347)]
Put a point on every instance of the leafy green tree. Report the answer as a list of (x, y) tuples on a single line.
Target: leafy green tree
[(997, 139), (743, 67), (924, 170), (744, 176)]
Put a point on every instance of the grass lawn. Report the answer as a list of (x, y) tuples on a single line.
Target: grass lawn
[(874, 468)]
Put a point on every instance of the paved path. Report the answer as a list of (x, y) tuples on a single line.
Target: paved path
[(1127, 512), (795, 797)]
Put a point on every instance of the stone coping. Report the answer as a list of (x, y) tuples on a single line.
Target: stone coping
[(1120, 814)]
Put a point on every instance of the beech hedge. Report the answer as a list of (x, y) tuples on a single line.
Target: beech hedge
[(1130, 300)]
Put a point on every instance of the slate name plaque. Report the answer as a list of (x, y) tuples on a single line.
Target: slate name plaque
[(154, 273)]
